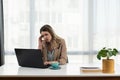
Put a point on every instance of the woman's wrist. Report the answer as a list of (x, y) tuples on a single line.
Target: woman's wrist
[(54, 62)]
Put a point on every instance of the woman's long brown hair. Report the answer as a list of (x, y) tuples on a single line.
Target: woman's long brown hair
[(55, 39)]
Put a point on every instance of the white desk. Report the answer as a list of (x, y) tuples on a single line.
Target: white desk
[(71, 69)]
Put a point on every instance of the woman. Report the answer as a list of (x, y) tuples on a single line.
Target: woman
[(52, 46)]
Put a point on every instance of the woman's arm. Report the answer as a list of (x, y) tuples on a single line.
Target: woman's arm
[(63, 57), (40, 42)]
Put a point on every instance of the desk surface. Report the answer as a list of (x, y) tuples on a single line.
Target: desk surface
[(71, 69)]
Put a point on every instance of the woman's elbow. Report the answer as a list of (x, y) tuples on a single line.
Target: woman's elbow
[(63, 62)]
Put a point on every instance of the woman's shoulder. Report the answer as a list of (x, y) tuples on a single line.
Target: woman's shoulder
[(61, 40)]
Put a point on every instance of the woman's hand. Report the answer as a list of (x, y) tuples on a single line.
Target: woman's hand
[(40, 42), (46, 63), (49, 62)]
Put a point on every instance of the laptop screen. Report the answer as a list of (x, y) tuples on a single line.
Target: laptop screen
[(30, 58)]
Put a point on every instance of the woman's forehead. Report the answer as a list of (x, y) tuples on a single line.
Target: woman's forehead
[(45, 32)]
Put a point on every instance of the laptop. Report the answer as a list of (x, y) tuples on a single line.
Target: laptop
[(30, 58)]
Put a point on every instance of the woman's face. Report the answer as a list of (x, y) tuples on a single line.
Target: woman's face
[(46, 36)]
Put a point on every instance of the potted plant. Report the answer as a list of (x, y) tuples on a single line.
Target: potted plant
[(107, 63)]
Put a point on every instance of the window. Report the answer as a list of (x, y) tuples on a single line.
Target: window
[(86, 25), (24, 18)]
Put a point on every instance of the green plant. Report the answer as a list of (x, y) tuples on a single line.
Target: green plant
[(107, 52)]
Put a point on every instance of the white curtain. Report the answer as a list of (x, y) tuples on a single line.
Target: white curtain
[(106, 25), (86, 25)]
